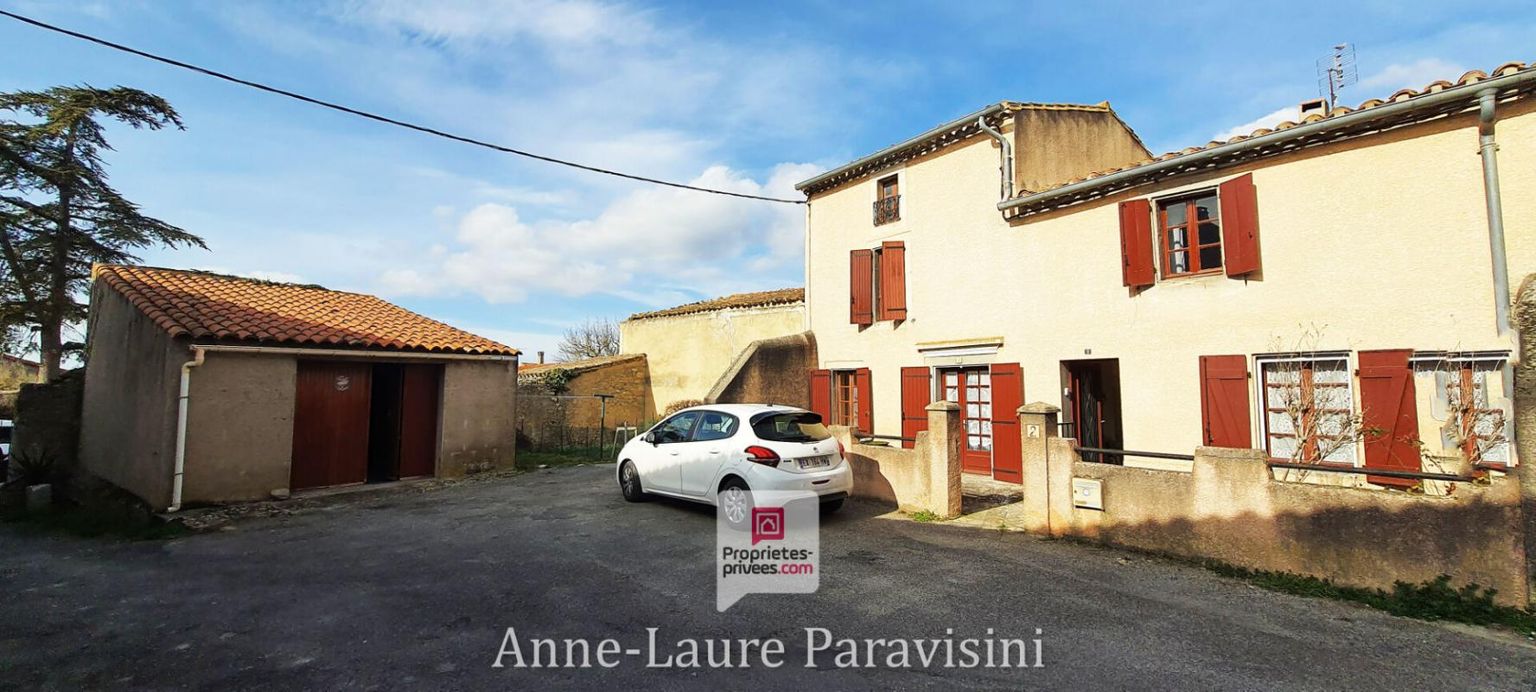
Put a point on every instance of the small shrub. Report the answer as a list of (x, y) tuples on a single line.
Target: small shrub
[(924, 516)]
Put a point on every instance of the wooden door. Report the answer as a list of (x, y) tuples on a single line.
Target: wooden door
[(330, 424), (419, 397), (972, 389)]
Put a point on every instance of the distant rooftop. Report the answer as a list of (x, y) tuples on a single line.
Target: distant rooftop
[(783, 296)]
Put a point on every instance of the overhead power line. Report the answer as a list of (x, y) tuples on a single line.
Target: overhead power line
[(383, 119)]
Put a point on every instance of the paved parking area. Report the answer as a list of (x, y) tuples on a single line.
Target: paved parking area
[(416, 589)]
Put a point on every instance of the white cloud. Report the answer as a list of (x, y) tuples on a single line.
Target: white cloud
[(644, 245), (1413, 75), (1270, 119), (500, 21), (1396, 76), (530, 343)]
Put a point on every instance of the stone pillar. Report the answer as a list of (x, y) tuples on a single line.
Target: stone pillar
[(943, 456), (1037, 424), (1524, 427)]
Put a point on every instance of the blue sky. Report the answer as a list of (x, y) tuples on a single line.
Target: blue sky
[(751, 98)]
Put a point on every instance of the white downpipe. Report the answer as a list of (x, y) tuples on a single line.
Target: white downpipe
[(181, 426), (199, 352)]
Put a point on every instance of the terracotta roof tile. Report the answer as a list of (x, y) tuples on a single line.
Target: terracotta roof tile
[(1401, 95), (215, 307), (583, 365), (783, 296)]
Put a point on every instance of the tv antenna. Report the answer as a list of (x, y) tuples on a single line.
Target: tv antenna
[(1336, 71)]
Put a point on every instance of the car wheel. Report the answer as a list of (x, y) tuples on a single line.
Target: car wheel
[(629, 483), (735, 502), (833, 506)]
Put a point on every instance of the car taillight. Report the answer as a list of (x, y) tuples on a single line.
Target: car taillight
[(841, 453), (762, 455)]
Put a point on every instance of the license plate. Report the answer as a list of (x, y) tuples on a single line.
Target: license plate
[(816, 462)]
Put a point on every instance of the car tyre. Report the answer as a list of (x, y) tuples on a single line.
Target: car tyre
[(734, 501), (832, 506), (629, 483)]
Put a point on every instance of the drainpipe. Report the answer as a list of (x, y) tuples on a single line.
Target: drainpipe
[(1006, 154), (1486, 100), (181, 427)]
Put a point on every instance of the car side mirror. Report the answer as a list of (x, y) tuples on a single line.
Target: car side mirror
[(650, 437)]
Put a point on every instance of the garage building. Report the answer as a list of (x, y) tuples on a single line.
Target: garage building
[(202, 388)]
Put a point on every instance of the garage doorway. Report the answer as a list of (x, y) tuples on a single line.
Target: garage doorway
[(357, 422), (1091, 402)]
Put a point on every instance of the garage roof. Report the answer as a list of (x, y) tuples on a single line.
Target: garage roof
[(210, 307)]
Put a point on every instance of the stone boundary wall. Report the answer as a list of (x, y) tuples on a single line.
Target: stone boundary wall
[(769, 371), (925, 478), (1231, 508)]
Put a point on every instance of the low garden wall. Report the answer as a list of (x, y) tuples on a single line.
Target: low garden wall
[(925, 478), (1230, 508)]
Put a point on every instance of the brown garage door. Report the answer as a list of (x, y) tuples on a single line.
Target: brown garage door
[(330, 424), (418, 420)]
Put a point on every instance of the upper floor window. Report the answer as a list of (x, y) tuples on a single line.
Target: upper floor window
[(1200, 233), (878, 283), (1190, 234), (887, 200)]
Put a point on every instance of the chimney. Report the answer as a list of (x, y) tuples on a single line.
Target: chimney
[(541, 357), (1319, 106)]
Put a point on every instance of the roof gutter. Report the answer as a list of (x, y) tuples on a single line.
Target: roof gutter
[(957, 123), (343, 354), (1450, 95)]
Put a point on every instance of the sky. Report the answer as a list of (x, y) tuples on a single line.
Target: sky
[(749, 97)]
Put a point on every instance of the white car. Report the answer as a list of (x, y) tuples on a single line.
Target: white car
[(718, 454)]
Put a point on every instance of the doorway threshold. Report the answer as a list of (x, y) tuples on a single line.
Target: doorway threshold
[(980, 492)]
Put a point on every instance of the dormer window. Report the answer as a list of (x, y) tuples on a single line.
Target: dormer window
[(887, 200)]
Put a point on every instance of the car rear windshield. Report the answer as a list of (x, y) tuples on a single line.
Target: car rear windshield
[(798, 426)]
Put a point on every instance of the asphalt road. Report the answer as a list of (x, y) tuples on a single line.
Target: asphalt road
[(416, 590)]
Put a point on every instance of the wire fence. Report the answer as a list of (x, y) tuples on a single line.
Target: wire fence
[(578, 441)]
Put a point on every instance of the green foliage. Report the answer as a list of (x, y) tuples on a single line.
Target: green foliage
[(58, 214), (1435, 599), (924, 516), (557, 380)]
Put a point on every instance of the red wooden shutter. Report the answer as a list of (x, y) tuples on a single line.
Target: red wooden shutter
[(1224, 413), (1389, 414), (893, 280), (916, 394), (1136, 243), (861, 266), (865, 422), (1239, 225), (821, 394), (1007, 397)]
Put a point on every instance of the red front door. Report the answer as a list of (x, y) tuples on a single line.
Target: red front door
[(972, 389), (418, 420), (330, 424)]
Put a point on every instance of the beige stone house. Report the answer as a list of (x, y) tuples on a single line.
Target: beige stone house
[(202, 388), (700, 351), (1031, 252)]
